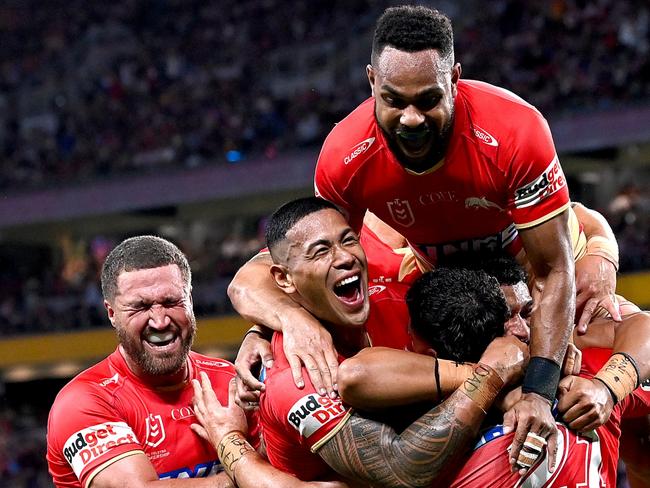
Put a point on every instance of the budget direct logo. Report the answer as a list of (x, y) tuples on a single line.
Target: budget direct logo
[(360, 148), (549, 182), (89, 444), (309, 414)]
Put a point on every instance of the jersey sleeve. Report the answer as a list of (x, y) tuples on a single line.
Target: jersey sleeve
[(86, 434), (536, 183), (305, 416), (331, 180)]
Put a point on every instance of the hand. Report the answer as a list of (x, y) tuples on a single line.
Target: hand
[(253, 351), (585, 404), (531, 414), (216, 420), (595, 286), (508, 356), (572, 360), (307, 342)]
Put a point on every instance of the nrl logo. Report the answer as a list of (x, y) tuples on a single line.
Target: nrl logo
[(155, 430), (400, 211)]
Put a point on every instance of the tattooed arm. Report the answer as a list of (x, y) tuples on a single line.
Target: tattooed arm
[(372, 452)]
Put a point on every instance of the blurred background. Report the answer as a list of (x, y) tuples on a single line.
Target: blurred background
[(194, 119)]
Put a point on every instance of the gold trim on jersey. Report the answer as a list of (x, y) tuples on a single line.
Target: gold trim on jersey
[(105, 465), (331, 433), (543, 219), (426, 171)]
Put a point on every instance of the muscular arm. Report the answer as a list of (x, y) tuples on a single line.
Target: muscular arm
[(379, 377), (373, 452), (548, 247), (136, 471)]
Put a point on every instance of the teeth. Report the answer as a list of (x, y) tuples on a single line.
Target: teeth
[(158, 337), (347, 281)]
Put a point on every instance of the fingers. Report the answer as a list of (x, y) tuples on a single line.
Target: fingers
[(296, 371), (610, 303), (518, 442), (332, 361), (200, 431), (232, 391), (246, 398), (551, 450), (587, 313)]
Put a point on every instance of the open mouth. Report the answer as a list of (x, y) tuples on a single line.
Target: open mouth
[(414, 141), (348, 290), (160, 340)]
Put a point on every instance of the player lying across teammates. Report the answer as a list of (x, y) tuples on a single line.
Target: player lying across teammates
[(451, 164), (320, 264)]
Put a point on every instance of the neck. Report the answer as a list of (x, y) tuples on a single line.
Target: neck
[(349, 340)]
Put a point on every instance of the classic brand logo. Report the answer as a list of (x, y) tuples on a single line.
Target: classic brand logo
[(107, 381), (312, 412), (376, 289), (218, 364), (400, 211), (549, 182), (155, 430), (360, 148), (90, 443), (484, 137)]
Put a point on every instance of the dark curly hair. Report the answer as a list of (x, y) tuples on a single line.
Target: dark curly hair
[(457, 311), (502, 266), (411, 29)]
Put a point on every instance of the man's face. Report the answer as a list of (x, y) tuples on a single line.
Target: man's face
[(152, 314), (520, 304), (414, 104), (326, 269)]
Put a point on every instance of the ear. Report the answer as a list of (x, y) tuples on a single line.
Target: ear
[(110, 311), (283, 278), (455, 76), (371, 78)]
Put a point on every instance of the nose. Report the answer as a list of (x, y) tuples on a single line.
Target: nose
[(343, 257), (158, 318), (411, 117), (518, 328)]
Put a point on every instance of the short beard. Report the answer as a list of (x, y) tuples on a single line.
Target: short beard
[(161, 365), (435, 154)]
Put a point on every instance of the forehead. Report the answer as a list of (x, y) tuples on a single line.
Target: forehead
[(324, 224), (149, 283), (415, 70), (517, 295)]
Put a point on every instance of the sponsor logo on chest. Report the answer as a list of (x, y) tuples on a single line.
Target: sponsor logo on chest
[(90, 443), (309, 414)]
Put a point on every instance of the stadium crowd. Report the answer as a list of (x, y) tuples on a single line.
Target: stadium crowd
[(93, 89)]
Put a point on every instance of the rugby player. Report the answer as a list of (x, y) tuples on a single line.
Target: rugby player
[(427, 154)]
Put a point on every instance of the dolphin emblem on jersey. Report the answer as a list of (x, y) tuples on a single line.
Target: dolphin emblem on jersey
[(155, 430), (481, 202), (400, 211)]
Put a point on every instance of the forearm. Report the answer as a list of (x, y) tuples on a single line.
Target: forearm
[(552, 319), (372, 452), (379, 377), (255, 296), (632, 336), (593, 223)]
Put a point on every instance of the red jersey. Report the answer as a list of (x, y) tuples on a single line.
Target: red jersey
[(499, 174), (107, 413), (295, 423)]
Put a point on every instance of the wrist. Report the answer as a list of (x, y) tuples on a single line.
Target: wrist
[(482, 386), (620, 375), (542, 378), (603, 247), (231, 449)]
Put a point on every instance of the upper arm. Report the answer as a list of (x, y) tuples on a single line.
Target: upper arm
[(548, 245), (133, 470)]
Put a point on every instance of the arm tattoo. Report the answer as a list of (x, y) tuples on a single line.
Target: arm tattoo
[(369, 451)]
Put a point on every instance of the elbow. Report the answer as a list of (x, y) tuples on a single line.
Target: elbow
[(350, 378)]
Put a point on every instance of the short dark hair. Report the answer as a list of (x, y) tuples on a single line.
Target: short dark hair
[(502, 266), (141, 252), (413, 28), (457, 311), (285, 217)]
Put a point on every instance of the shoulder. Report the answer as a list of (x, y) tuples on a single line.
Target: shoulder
[(351, 141), (516, 116)]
